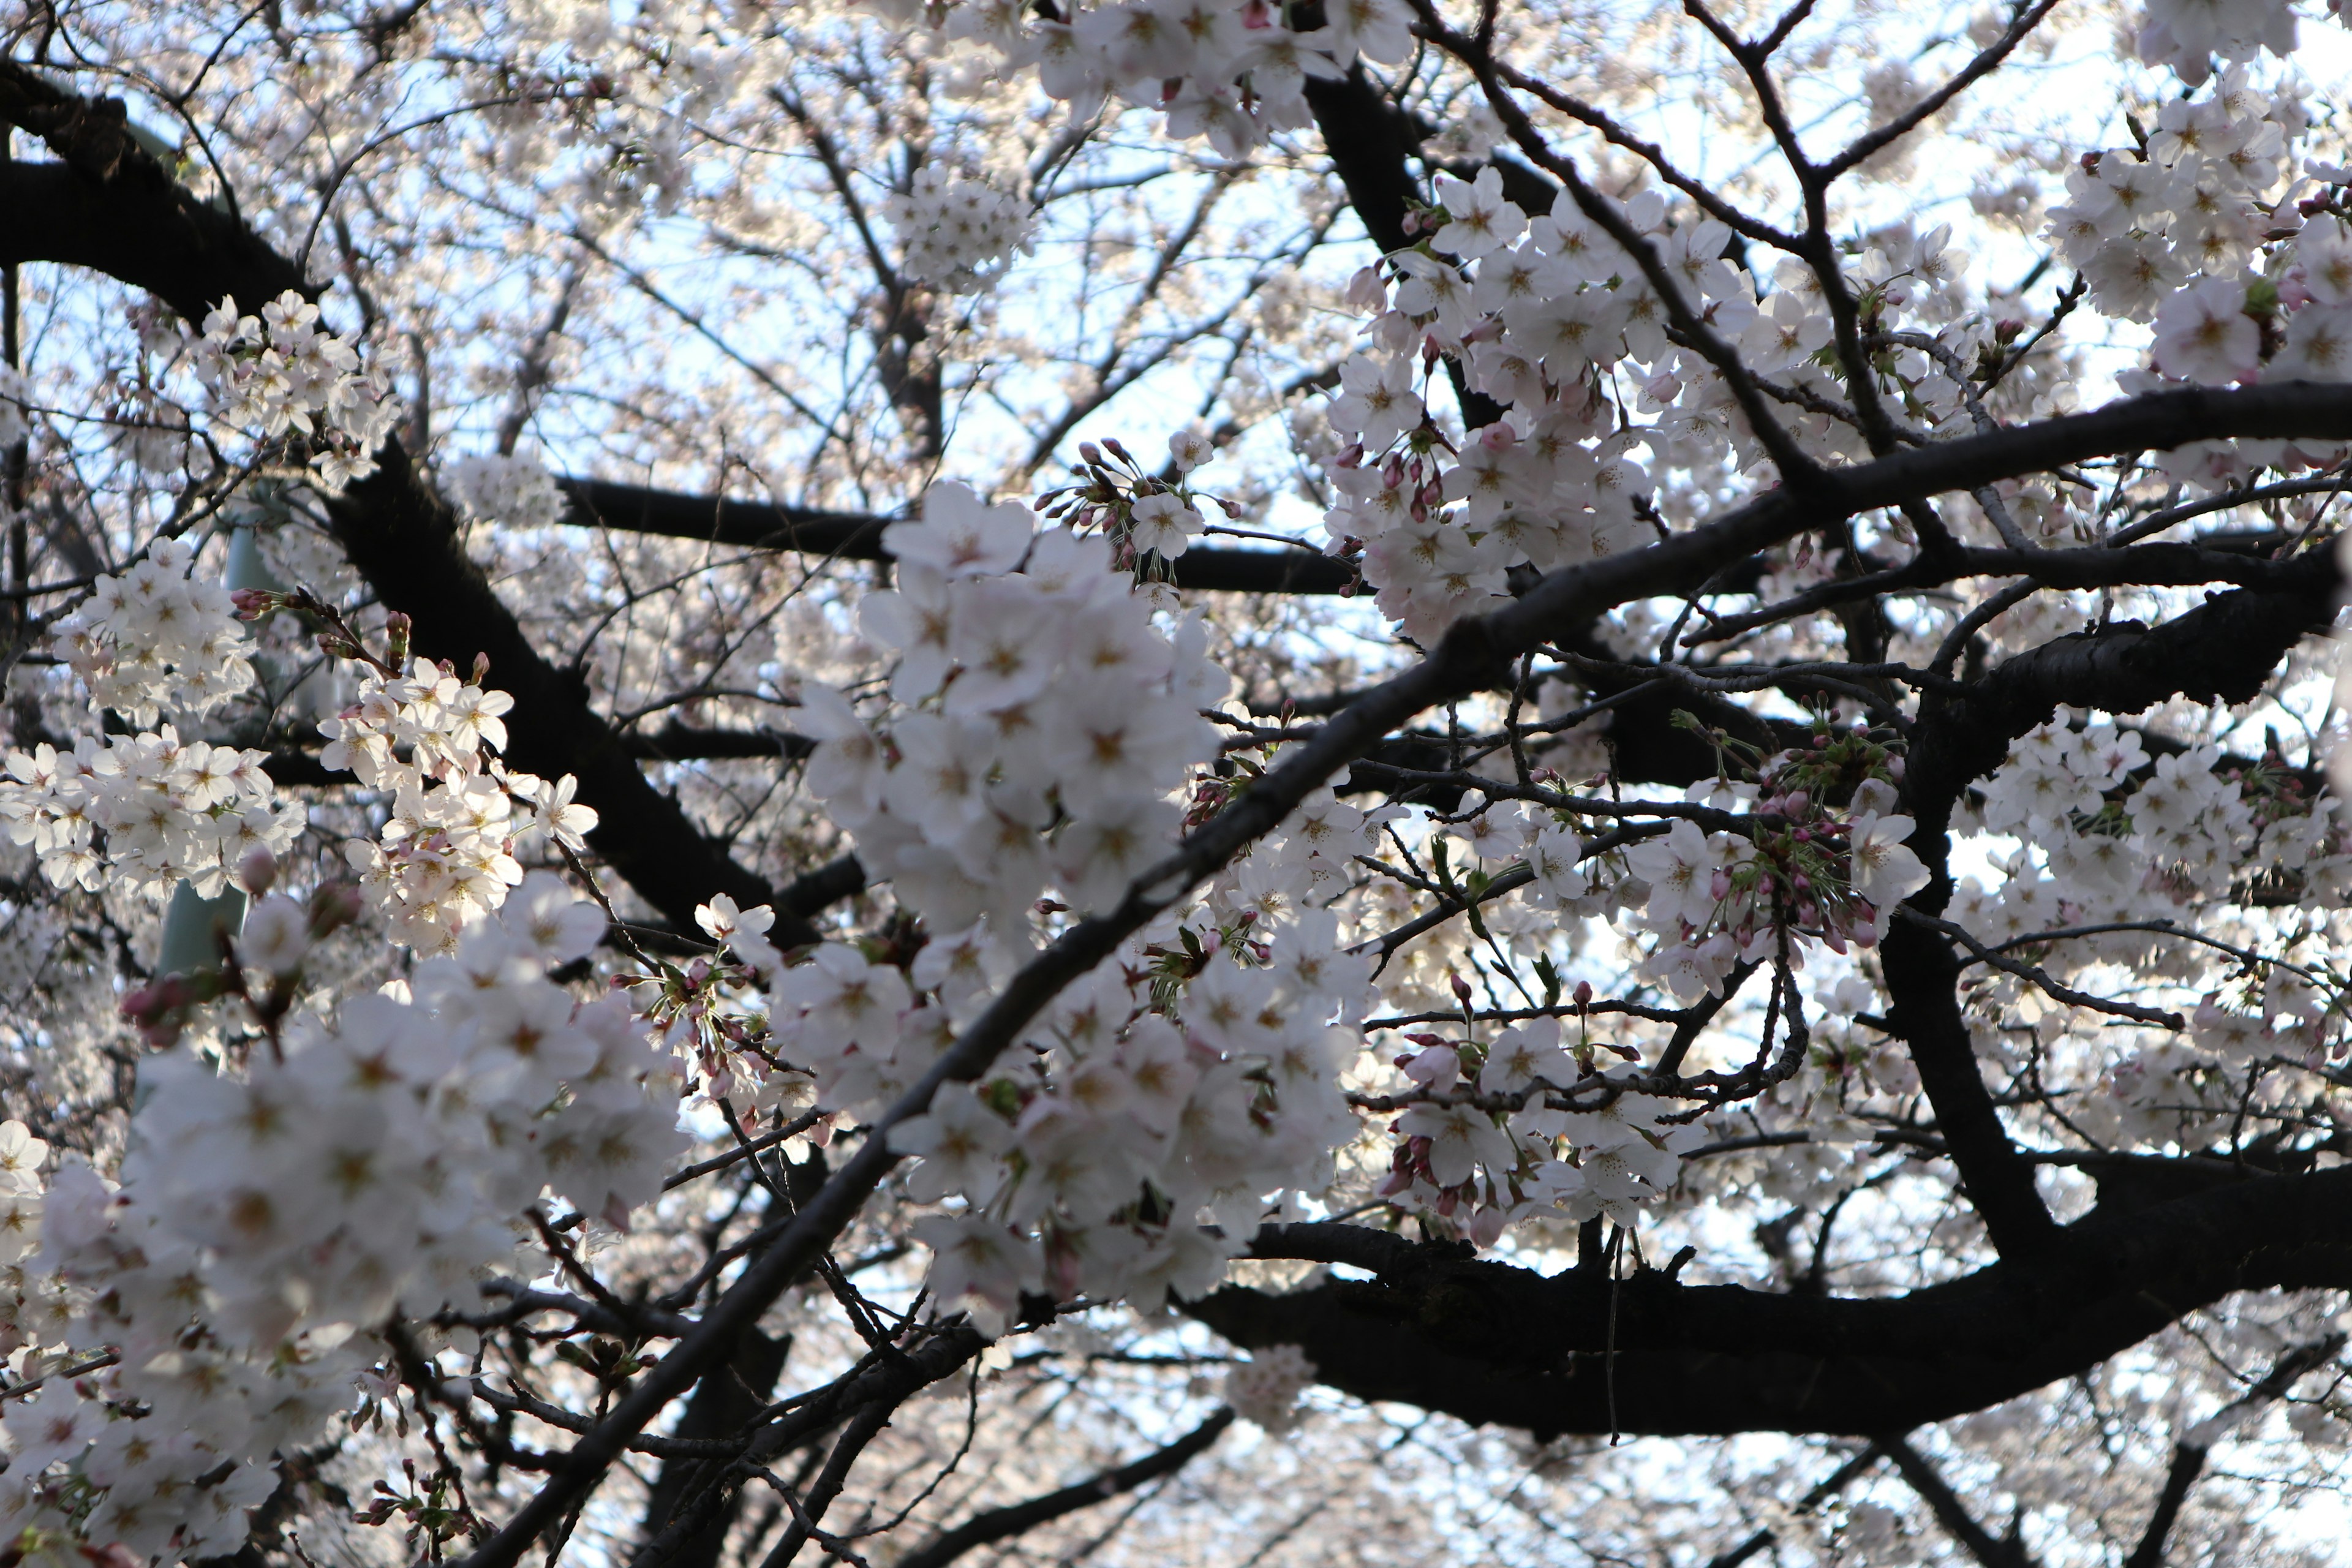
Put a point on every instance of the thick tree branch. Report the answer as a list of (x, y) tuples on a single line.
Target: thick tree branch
[(113, 208), (1489, 1342), (406, 542), (1922, 975), (1473, 654), (2224, 650)]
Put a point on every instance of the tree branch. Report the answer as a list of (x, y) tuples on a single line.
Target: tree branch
[(857, 536), (1003, 1523), (2189, 1454), (1950, 1512), (1487, 1341), (113, 208)]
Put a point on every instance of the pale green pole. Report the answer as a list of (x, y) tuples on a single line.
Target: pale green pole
[(193, 925)]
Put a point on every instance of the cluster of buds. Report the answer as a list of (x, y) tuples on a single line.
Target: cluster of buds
[(1149, 519), (261, 966), (336, 638)]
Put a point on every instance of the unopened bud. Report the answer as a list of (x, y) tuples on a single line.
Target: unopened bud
[(257, 873), (396, 628), (1584, 993), (252, 603), (1460, 989), (333, 906), (1090, 452)]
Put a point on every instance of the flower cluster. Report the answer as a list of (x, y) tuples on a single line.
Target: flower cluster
[(1231, 70), (2189, 882), (1193, 1079), (1541, 314), (21, 1157), (1265, 1389), (277, 374), (447, 853), (1490, 1140), (956, 233), (378, 1164), (1184, 1083), (2188, 35), (1045, 721), (1819, 852), (156, 638), (145, 810), (2115, 828), (512, 491), (2244, 276)]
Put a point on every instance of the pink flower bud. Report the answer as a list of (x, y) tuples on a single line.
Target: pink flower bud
[(332, 907), (258, 872)]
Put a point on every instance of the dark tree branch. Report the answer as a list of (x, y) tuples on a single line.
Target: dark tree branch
[(1371, 143), (406, 542), (2188, 1456), (1922, 975), (1951, 1512), (871, 1393), (2224, 650), (857, 536), (728, 1402), (1003, 1523), (1489, 1342), (1836, 1481), (118, 211), (112, 208)]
